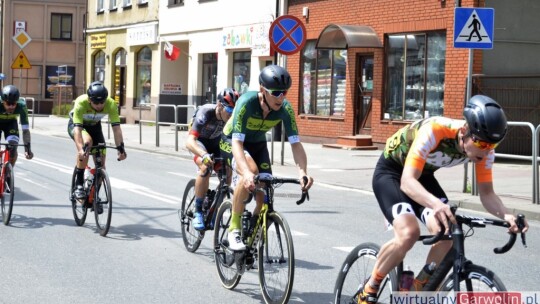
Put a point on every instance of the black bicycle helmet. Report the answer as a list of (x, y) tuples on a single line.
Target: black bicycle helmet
[(485, 118), (97, 92), (228, 97), (10, 94), (274, 77)]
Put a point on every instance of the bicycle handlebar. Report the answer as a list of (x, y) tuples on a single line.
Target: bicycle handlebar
[(270, 181), (87, 148), (482, 222)]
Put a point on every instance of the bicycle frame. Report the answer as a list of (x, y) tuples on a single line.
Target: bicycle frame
[(455, 258), (5, 156), (221, 191)]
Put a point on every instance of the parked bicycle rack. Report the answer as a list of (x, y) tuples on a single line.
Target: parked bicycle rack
[(157, 122), (533, 158)]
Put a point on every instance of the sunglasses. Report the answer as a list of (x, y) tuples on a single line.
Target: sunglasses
[(10, 104), (276, 93), (97, 102), (482, 145), (229, 109)]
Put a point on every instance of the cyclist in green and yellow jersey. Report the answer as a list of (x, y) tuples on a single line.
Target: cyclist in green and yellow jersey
[(12, 108), (244, 145), (84, 127)]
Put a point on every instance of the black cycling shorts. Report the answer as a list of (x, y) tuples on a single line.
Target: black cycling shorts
[(258, 151), (95, 132), (392, 201)]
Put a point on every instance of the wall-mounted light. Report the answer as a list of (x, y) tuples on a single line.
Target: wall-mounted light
[(305, 12)]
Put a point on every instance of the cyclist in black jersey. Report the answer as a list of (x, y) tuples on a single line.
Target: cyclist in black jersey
[(203, 139), (84, 127), (244, 141), (11, 109)]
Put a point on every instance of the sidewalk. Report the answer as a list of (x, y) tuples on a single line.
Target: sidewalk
[(337, 167)]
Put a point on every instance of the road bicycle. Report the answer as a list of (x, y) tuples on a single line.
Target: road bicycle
[(466, 276), (98, 192), (268, 241), (213, 199), (7, 182)]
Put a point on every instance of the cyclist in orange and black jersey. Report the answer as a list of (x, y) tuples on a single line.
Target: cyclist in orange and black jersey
[(406, 188)]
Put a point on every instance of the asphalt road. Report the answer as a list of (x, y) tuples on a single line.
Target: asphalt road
[(46, 258)]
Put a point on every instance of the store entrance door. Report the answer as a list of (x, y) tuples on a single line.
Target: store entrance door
[(364, 93)]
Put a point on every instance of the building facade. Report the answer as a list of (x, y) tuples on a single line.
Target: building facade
[(43, 49)]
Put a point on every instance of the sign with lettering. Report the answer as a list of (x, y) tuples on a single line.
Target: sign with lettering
[(171, 89), (98, 41), (254, 36), (141, 35)]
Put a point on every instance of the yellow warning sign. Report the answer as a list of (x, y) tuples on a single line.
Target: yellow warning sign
[(21, 62)]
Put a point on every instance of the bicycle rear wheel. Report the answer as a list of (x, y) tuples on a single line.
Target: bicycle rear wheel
[(356, 270), (475, 278), (276, 260), (192, 237), (8, 194), (224, 257), (102, 202), (79, 210)]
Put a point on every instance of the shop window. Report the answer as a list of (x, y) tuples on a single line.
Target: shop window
[(209, 77), (241, 71), (144, 76), (99, 66), (323, 81), (415, 75), (61, 26)]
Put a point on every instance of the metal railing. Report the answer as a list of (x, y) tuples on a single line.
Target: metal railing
[(533, 158), (157, 122), (30, 111)]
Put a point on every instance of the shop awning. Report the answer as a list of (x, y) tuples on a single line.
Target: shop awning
[(341, 37)]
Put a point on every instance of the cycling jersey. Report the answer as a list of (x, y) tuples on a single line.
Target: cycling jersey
[(433, 143), (84, 115), (205, 124), (20, 112), (248, 125)]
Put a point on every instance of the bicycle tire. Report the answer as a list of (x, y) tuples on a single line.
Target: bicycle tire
[(192, 237), (276, 260), (225, 259), (356, 270), (9, 192), (102, 190), (79, 210), (475, 278)]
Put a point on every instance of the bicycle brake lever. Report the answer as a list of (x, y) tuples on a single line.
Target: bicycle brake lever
[(520, 222)]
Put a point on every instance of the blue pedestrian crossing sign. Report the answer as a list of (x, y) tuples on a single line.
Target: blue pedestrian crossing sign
[(473, 27)]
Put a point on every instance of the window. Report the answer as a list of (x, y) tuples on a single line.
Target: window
[(241, 71), (127, 3), (323, 81), (176, 2), (415, 75), (113, 5), (209, 77), (99, 66), (61, 26), (100, 7), (144, 76)]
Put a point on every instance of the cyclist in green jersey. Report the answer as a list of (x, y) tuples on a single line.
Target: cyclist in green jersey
[(244, 141), (84, 127), (12, 108)]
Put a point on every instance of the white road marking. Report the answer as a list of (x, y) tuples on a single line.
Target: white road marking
[(298, 233), (18, 176), (344, 188), (115, 183), (346, 249)]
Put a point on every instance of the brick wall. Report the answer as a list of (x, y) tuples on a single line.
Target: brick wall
[(385, 17)]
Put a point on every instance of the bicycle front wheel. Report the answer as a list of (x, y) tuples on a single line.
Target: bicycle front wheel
[(475, 278), (276, 260), (224, 257), (192, 237), (102, 202), (9, 192), (79, 209), (355, 272)]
